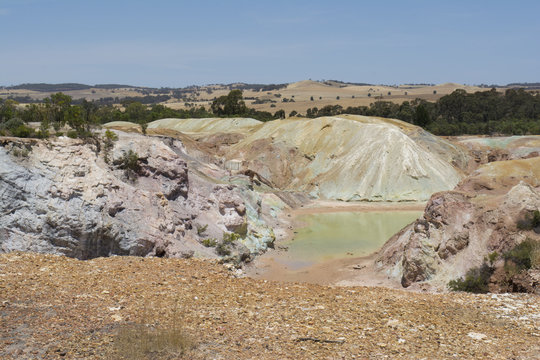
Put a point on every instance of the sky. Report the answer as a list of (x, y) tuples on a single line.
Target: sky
[(163, 43)]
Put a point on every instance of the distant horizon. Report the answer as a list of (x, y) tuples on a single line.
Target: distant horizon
[(529, 83), (180, 43)]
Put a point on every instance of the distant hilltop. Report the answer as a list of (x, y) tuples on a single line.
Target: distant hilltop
[(64, 87)]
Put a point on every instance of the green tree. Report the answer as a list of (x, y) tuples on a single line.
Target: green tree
[(280, 114), (57, 107), (421, 117), (8, 110), (232, 104)]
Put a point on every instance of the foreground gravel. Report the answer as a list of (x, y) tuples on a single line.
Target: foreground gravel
[(57, 307)]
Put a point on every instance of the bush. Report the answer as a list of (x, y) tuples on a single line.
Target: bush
[(20, 152), (130, 161), (522, 256), (201, 229), (108, 143), (149, 339), (223, 249), (17, 128), (210, 242), (110, 136), (529, 221), (72, 134), (22, 131), (229, 238), (476, 280)]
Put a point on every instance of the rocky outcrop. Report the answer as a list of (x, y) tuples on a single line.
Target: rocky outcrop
[(460, 228), (59, 196)]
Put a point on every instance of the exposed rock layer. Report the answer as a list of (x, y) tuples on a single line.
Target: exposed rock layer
[(460, 228), (59, 196)]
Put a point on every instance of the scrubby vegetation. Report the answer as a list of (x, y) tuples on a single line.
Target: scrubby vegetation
[(150, 339), (129, 162), (530, 221), (524, 256), (476, 280)]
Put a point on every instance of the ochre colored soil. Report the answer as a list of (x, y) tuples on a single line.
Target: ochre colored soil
[(56, 307)]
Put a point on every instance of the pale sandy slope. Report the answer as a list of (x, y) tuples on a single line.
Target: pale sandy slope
[(345, 157), (348, 158), (206, 126)]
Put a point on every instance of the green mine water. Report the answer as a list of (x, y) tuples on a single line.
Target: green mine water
[(337, 235)]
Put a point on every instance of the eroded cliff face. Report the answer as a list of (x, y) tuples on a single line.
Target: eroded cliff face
[(460, 228), (59, 196)]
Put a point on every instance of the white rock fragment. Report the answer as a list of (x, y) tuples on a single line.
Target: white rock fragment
[(477, 336)]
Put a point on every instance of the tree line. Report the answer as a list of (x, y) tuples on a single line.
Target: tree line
[(81, 116), (515, 112)]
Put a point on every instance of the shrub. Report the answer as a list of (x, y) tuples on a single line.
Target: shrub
[(22, 131), (521, 256), (129, 162), (108, 143), (72, 134), (223, 249), (530, 221), (111, 136), (17, 128), (201, 229), (210, 242), (229, 238), (476, 280), (20, 153)]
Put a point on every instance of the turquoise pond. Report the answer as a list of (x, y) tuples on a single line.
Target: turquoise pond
[(328, 236)]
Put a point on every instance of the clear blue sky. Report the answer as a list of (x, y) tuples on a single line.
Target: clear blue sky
[(178, 43)]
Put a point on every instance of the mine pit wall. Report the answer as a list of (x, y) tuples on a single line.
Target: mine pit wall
[(461, 228), (59, 196)]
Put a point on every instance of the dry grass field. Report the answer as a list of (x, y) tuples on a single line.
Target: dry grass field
[(294, 96), (328, 93)]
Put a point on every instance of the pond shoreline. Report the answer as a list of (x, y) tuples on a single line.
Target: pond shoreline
[(344, 271)]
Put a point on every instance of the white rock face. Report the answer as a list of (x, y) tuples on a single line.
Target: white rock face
[(59, 196)]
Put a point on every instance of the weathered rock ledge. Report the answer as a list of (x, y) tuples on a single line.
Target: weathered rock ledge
[(461, 228), (59, 196)]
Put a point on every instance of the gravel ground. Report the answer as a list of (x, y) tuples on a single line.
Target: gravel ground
[(125, 307)]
